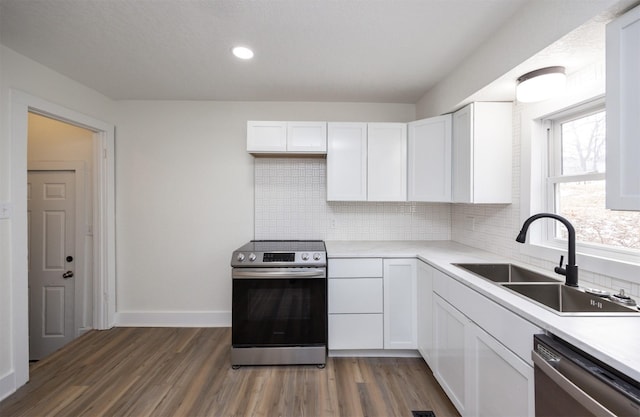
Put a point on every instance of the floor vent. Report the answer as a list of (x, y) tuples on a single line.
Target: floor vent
[(423, 414)]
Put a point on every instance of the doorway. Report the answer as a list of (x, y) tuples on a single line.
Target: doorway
[(59, 203), (103, 231)]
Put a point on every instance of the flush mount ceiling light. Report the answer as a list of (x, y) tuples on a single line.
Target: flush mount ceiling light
[(242, 52), (540, 84)]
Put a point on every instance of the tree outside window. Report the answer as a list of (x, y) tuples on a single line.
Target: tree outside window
[(577, 183)]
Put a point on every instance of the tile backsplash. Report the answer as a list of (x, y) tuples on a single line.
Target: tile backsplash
[(290, 203)]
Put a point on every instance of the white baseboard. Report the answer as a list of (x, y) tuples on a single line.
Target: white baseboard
[(173, 319), (375, 353), (7, 385)]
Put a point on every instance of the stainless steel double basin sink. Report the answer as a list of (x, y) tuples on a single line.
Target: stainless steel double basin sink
[(546, 291)]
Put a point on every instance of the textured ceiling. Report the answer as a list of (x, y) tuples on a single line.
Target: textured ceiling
[(306, 50)]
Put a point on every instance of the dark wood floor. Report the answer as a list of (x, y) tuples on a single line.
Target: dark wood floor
[(187, 372)]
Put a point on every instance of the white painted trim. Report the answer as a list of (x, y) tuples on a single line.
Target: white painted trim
[(173, 319), (19, 249), (104, 220), (79, 169), (7, 384), (104, 229), (375, 353)]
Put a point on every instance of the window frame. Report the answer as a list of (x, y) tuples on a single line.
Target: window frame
[(553, 176)]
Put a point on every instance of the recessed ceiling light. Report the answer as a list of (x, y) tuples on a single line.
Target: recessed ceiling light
[(242, 52)]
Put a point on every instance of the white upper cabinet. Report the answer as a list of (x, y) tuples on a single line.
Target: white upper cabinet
[(429, 159), (347, 162), (623, 108), (367, 162), (307, 137), (287, 137), (266, 136), (481, 153), (387, 162)]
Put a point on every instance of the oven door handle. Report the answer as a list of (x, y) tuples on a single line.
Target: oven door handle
[(569, 387), (270, 273)]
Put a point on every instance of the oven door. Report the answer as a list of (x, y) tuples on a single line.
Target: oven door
[(279, 307)]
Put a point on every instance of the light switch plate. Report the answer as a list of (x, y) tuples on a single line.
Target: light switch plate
[(6, 210)]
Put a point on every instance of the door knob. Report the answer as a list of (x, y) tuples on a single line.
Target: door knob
[(67, 274)]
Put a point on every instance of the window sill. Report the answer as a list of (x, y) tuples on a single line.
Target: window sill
[(613, 268)]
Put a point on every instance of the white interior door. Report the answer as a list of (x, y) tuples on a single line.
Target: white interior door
[(51, 222)]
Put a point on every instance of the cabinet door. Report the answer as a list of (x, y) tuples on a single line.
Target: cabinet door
[(450, 329), (491, 152), (347, 162), (307, 137), (400, 312), (501, 383), (266, 136), (429, 159), (425, 311), (387, 162), (482, 156), (462, 153), (623, 107)]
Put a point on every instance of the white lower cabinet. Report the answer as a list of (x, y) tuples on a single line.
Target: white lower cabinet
[(372, 304), (450, 328), (481, 375), (355, 304), (424, 320), (479, 351), (400, 311), (355, 331), (501, 382)]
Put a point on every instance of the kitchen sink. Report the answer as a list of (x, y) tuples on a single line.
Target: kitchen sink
[(505, 272), (564, 299), (549, 292)]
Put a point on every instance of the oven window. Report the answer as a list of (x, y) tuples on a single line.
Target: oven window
[(279, 312), (278, 304)]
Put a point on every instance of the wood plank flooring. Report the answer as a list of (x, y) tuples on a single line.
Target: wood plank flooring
[(187, 372)]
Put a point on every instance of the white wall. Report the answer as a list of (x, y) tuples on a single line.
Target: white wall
[(535, 26), (185, 198), (20, 73)]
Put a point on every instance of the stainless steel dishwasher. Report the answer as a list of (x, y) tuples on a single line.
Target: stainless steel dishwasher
[(568, 382)]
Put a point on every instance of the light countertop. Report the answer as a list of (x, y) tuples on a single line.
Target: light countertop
[(615, 340)]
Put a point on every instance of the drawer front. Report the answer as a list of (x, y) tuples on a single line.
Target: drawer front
[(355, 295), (354, 268), (355, 331)]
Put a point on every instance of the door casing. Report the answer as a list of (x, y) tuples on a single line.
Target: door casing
[(103, 220)]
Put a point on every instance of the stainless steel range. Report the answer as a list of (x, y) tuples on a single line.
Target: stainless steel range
[(279, 303)]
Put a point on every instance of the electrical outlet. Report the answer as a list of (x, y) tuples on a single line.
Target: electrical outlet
[(6, 210), (470, 223)]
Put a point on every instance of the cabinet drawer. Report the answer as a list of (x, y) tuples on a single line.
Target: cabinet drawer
[(355, 331), (355, 295), (354, 268)]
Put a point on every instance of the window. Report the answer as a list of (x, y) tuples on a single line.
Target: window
[(576, 183)]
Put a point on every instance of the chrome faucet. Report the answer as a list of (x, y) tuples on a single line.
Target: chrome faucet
[(571, 270)]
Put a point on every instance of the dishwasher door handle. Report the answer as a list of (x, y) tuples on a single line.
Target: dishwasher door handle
[(569, 387)]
